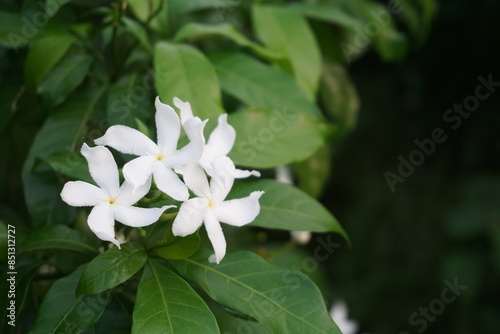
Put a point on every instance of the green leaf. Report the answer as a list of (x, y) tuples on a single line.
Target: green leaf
[(285, 31), (129, 98), (261, 86), (264, 139), (282, 299), (13, 31), (25, 271), (112, 268), (182, 71), (327, 13), (178, 7), (42, 57), (167, 304), (56, 237), (172, 247), (339, 95), (138, 31), (62, 312), (41, 190), (71, 164), (285, 207), (66, 76), (193, 31)]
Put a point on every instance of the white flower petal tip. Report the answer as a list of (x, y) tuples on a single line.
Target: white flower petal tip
[(213, 259)]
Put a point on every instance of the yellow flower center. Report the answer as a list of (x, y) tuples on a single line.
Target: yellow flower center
[(160, 157), (111, 200), (211, 204)]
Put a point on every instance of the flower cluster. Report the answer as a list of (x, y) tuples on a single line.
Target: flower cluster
[(162, 162)]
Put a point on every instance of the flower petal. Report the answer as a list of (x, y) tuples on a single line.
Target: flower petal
[(102, 223), (185, 108), (168, 182), (241, 173), (222, 138), (190, 216), (189, 153), (168, 127), (214, 231), (102, 167), (221, 184), (127, 140), (196, 180), (79, 193), (139, 170), (137, 217), (129, 195), (239, 212)]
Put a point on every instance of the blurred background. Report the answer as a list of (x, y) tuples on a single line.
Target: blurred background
[(443, 221), (438, 228)]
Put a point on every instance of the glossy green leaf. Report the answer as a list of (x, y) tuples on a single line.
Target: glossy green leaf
[(128, 99), (327, 13), (264, 138), (43, 56), (282, 299), (64, 78), (56, 237), (138, 31), (167, 304), (339, 96), (182, 7), (285, 31), (242, 77), (193, 31), (116, 319), (172, 247), (62, 312), (41, 190), (71, 164), (285, 207), (182, 71), (112, 268)]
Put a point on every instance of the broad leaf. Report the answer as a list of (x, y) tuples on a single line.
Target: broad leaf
[(13, 31), (71, 164), (62, 312), (282, 299), (41, 190), (329, 13), (197, 30), (261, 86), (339, 96), (182, 71), (172, 247), (65, 77), (167, 304), (56, 237), (128, 99), (264, 138), (112, 268), (138, 31), (285, 31), (287, 208), (42, 57)]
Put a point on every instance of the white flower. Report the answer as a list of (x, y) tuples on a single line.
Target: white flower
[(219, 144), (110, 201), (338, 312), (157, 159), (210, 208)]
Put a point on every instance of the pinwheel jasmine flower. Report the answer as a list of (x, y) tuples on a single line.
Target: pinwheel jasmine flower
[(211, 209), (159, 159), (110, 201), (219, 144)]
